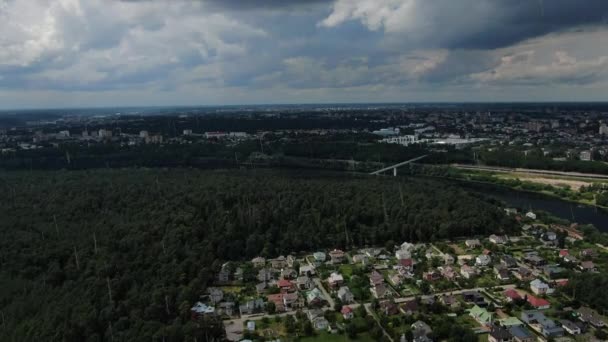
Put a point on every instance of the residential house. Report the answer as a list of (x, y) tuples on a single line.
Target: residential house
[(468, 271), (251, 307), (474, 297), (375, 278), (199, 309), (563, 253), (512, 295), (289, 273), (553, 271), (523, 274), (226, 308), (534, 260), (590, 316), (544, 325), (265, 275), (449, 301), (587, 266), (483, 260), (215, 294), (421, 330), (258, 262), (401, 254), (570, 327), (336, 256), (587, 253), (481, 315), (347, 312), (315, 297), (318, 320), (531, 215), (509, 322), (473, 243), (499, 239), (277, 299), (522, 334), (508, 261), (224, 275), (361, 258), (260, 288), (396, 279), (538, 303), (499, 334), (406, 263), (285, 285), (304, 283), (448, 272), (464, 259), (292, 300), (501, 272), (319, 257), (307, 270), (448, 259), (431, 275), (389, 308), (335, 280), (539, 288), (570, 259), (278, 263), (380, 291), (371, 252), (291, 260), (549, 238), (409, 307), (346, 297), (407, 249)]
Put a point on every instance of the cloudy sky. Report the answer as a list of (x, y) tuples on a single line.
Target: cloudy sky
[(72, 53)]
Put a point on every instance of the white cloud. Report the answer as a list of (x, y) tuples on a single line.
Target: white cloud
[(82, 42), (568, 59)]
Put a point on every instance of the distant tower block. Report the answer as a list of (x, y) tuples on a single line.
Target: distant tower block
[(395, 172)]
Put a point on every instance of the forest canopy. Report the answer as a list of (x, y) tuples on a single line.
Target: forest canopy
[(123, 254)]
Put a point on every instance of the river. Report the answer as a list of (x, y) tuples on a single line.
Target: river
[(573, 212)]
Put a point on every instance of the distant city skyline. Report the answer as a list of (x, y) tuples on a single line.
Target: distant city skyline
[(96, 53)]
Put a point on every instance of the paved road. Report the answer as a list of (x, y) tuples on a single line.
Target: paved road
[(325, 293)]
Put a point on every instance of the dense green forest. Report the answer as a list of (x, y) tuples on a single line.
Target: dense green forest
[(537, 161), (284, 151), (123, 254), (588, 288)]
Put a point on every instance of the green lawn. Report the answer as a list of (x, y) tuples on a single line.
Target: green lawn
[(346, 270)]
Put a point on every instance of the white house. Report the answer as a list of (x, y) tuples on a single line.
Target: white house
[(531, 215), (473, 243), (483, 260), (401, 254), (538, 287)]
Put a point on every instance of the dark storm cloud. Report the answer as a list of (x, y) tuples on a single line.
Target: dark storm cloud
[(467, 24), (517, 20)]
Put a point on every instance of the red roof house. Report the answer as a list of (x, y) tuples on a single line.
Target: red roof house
[(512, 295), (538, 303), (347, 312), (285, 285), (563, 253)]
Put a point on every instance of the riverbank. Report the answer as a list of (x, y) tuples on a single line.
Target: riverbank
[(568, 188)]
